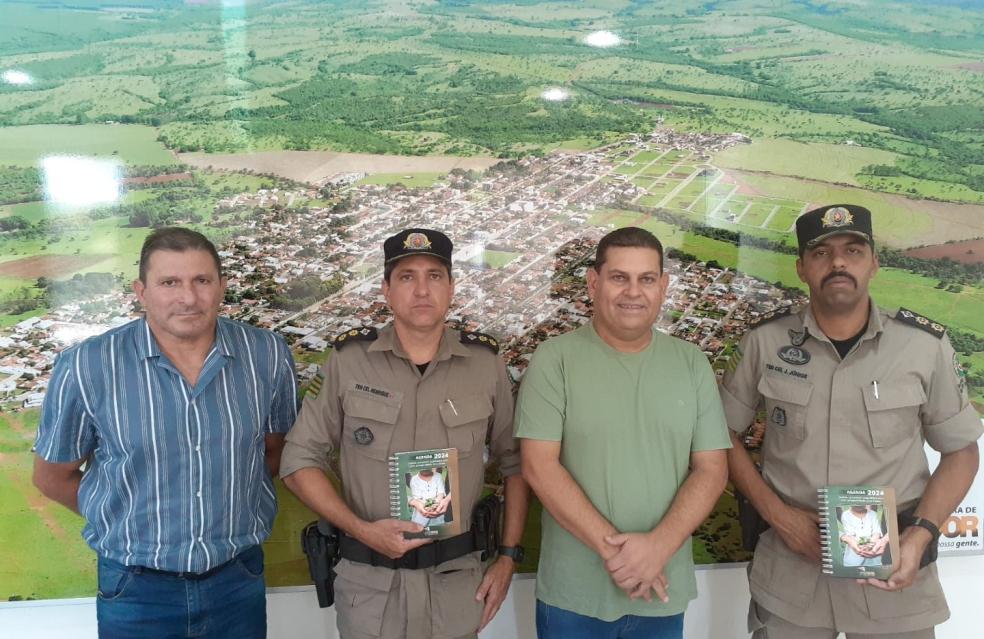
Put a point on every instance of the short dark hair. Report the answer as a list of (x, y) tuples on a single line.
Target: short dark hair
[(388, 268), (627, 237), (175, 238)]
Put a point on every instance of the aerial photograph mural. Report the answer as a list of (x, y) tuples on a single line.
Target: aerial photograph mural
[(298, 134)]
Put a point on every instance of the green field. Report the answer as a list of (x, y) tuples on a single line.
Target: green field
[(494, 259), (411, 181), (828, 162), (132, 144)]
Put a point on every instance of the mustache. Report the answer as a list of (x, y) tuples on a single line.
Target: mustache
[(838, 274)]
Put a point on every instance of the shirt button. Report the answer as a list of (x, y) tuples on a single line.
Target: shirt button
[(199, 540), (198, 494), (198, 448)]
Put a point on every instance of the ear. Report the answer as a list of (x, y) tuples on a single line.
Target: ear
[(139, 288), (592, 281), (799, 269), (223, 284)]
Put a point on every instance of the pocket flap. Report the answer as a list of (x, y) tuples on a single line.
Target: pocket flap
[(465, 410), (785, 390), (358, 404), (893, 395)]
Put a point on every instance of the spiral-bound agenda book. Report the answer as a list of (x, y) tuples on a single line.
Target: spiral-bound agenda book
[(859, 531), (424, 490)]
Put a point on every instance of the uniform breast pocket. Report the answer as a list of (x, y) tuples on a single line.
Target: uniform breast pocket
[(893, 415), (369, 423), (786, 405), (467, 421)]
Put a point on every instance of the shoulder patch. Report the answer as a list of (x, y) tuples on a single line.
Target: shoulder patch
[(480, 339), (771, 316), (314, 387), (364, 334), (915, 319)]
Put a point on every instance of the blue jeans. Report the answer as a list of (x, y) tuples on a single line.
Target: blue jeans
[(557, 623), (135, 602)]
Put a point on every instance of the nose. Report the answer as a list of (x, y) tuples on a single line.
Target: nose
[(632, 289), (420, 287), (186, 295)]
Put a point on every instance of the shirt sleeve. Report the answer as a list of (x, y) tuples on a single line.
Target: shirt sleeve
[(283, 408), (67, 431), (318, 428), (503, 445), (542, 401), (711, 432), (739, 393), (949, 419)]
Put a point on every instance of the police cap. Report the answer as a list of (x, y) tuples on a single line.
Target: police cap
[(817, 225), (418, 242)]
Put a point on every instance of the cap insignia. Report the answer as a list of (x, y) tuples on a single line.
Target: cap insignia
[(836, 217), (416, 242)]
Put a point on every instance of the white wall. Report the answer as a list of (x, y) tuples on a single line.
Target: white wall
[(719, 612)]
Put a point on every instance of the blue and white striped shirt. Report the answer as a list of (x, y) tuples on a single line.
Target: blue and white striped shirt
[(176, 478)]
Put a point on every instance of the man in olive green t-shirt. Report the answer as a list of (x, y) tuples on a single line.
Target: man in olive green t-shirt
[(624, 442)]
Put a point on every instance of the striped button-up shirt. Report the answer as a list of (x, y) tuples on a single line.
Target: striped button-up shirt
[(175, 478)]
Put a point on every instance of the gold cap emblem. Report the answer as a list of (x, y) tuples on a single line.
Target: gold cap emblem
[(416, 242), (837, 216)]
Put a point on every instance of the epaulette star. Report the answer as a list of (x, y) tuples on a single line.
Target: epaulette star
[(915, 319), (480, 339), (364, 334)]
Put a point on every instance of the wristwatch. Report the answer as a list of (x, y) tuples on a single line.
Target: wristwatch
[(516, 553), (933, 529)]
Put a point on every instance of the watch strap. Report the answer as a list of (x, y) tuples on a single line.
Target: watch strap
[(926, 524), (515, 553)]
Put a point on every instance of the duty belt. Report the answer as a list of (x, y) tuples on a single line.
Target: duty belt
[(425, 556), (483, 536)]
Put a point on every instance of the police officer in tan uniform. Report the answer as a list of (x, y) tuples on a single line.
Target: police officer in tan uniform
[(413, 385), (850, 394)]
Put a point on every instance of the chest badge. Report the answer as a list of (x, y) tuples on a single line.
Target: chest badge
[(794, 355), (779, 416), (363, 436)]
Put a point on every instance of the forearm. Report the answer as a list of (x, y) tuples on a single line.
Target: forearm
[(948, 485), (748, 481), (517, 504), (567, 503), (273, 447), (694, 500), (59, 482), (317, 492)]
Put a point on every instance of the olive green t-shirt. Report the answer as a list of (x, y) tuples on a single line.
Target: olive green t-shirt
[(627, 423)]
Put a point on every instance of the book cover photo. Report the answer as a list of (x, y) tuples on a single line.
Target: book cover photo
[(859, 531), (424, 490)]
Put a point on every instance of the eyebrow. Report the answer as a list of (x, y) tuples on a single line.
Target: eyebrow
[(621, 272)]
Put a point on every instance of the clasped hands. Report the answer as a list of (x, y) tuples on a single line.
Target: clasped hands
[(635, 563)]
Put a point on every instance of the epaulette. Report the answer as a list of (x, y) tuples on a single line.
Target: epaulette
[(364, 334), (480, 339), (771, 316), (915, 319)]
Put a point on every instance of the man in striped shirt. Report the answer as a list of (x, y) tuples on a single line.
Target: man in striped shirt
[(178, 419)]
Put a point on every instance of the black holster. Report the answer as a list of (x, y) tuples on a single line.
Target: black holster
[(319, 540), (752, 523), (485, 525)]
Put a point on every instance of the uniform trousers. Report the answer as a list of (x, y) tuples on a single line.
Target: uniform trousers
[(778, 628)]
